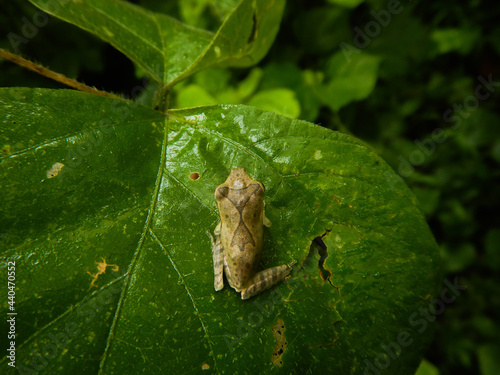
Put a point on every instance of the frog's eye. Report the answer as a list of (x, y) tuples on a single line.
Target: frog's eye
[(221, 192)]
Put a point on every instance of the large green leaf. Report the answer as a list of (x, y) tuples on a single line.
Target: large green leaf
[(167, 49), (125, 192)]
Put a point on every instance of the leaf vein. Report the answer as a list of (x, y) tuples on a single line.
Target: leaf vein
[(136, 253), (195, 306)]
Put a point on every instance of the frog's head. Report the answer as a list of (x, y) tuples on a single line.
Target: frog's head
[(239, 188), (238, 179)]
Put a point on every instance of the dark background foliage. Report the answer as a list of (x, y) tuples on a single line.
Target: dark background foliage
[(429, 114)]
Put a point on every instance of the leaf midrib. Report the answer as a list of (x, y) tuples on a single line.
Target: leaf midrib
[(133, 262)]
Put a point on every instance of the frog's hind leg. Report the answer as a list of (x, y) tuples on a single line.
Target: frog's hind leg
[(265, 279), (218, 259)]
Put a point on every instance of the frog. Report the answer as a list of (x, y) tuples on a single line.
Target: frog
[(237, 240)]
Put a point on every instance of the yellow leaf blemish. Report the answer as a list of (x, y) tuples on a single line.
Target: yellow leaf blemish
[(101, 267), (217, 51), (54, 170), (108, 32), (281, 343)]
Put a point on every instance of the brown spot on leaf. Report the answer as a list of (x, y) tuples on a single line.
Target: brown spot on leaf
[(7, 149), (281, 343), (194, 176), (337, 199)]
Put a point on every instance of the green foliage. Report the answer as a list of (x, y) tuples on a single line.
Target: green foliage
[(124, 196), (167, 50), (209, 88), (138, 207), (348, 79), (427, 368)]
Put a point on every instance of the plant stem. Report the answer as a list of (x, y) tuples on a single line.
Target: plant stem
[(53, 75)]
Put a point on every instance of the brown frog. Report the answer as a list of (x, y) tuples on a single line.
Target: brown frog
[(237, 245)]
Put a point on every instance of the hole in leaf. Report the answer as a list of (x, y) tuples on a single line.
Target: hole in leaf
[(317, 245), (253, 34), (323, 253)]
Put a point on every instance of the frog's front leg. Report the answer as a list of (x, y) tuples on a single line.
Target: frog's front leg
[(218, 258), (265, 279)]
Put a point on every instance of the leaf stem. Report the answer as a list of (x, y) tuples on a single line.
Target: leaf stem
[(53, 75), (161, 99)]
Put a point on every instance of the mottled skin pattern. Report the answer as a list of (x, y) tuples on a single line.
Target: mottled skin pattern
[(237, 246)]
